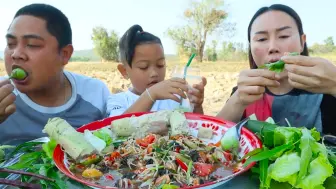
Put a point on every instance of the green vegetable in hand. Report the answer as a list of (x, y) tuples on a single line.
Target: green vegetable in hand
[(18, 74), (279, 65)]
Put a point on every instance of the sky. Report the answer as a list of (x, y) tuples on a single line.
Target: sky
[(156, 16)]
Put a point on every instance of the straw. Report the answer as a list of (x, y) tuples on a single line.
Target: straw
[(186, 68), (188, 64)]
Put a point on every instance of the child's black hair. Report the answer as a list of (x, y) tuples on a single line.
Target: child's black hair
[(134, 36)]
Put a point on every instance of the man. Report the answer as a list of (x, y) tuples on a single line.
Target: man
[(39, 40)]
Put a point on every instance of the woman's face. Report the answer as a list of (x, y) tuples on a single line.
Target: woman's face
[(272, 34)]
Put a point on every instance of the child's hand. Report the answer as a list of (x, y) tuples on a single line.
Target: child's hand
[(168, 89), (196, 93)]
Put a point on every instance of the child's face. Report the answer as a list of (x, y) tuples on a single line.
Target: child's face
[(148, 67), (272, 34)]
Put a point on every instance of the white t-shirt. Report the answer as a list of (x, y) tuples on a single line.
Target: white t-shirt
[(87, 104), (118, 103)]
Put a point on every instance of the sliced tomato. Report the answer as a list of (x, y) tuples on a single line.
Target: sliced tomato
[(79, 166), (109, 177), (141, 143), (94, 156), (149, 149), (215, 145), (203, 156), (228, 156), (150, 138), (114, 156), (177, 149), (203, 169), (144, 142)]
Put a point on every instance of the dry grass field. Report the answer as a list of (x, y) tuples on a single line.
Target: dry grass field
[(221, 77)]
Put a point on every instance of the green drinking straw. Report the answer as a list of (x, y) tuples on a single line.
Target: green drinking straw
[(188, 64), (186, 68)]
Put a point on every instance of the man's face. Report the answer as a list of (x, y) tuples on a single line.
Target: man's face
[(31, 47)]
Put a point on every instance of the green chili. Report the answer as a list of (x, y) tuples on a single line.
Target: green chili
[(18, 74)]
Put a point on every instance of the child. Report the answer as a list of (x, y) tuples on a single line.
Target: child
[(143, 62)]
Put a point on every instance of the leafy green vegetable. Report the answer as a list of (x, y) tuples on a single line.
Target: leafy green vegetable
[(2, 152), (279, 65), (283, 135), (319, 170), (25, 147), (264, 130), (37, 159), (266, 154), (294, 157), (49, 148), (306, 153), (332, 159), (285, 168), (315, 134), (26, 161), (251, 153), (104, 134), (330, 182), (263, 170)]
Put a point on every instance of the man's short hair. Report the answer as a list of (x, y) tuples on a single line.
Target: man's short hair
[(57, 23)]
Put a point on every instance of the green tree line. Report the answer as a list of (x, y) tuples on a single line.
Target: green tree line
[(203, 19)]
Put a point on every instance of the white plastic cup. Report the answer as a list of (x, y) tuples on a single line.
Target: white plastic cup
[(193, 76)]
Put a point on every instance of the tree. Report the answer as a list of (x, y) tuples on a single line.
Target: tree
[(327, 47), (203, 19), (211, 52), (105, 45), (233, 52), (329, 42), (79, 59)]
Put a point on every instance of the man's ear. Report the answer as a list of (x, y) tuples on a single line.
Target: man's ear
[(66, 53), (122, 70)]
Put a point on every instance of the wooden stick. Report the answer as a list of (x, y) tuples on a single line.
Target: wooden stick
[(19, 184)]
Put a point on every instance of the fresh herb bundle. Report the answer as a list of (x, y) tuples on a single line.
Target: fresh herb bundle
[(291, 158), (36, 162)]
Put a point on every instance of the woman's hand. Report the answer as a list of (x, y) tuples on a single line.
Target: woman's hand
[(250, 88), (312, 74), (252, 84)]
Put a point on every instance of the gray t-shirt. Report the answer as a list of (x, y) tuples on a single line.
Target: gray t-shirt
[(87, 104)]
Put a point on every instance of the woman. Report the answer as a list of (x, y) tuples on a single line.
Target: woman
[(302, 95)]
